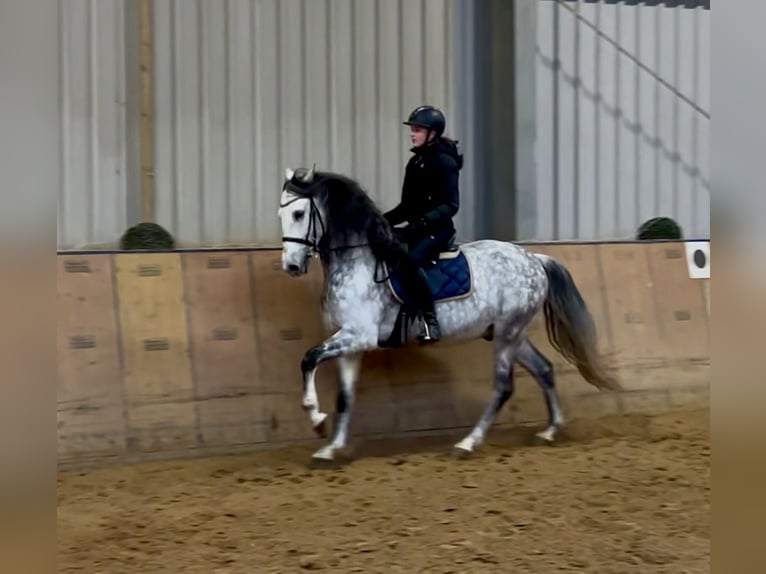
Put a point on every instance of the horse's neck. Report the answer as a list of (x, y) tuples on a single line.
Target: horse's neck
[(355, 260), (353, 265)]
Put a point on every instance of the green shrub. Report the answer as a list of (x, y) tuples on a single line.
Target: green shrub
[(659, 228), (146, 236)]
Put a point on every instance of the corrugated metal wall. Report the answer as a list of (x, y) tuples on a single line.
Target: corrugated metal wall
[(623, 131), (245, 88), (92, 197)]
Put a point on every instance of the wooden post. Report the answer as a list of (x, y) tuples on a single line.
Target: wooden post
[(146, 63)]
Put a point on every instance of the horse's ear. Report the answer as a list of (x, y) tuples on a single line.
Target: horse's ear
[(289, 173), (310, 176)]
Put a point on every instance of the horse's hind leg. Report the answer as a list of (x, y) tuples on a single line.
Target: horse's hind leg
[(505, 354), (542, 371)]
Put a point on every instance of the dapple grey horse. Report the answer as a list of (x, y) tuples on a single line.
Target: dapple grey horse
[(330, 216)]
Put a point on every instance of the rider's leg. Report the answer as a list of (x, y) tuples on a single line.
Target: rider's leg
[(418, 254)]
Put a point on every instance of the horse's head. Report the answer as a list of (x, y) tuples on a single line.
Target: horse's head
[(330, 215), (303, 223)]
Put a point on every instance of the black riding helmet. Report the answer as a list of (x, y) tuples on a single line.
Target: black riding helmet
[(428, 117)]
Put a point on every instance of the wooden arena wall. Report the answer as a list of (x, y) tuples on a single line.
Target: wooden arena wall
[(162, 355)]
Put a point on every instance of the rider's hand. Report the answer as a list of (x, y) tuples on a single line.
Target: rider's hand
[(419, 224)]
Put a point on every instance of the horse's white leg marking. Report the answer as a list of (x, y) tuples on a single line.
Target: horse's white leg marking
[(343, 343), (542, 371), (329, 349), (349, 373), (311, 399), (505, 352)]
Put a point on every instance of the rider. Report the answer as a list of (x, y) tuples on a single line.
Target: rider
[(430, 199)]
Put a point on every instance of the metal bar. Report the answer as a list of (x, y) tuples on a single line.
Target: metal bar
[(695, 119), (639, 63), (637, 130), (65, 50), (272, 249), (229, 103), (354, 107), (202, 110), (330, 111), (400, 71), (121, 210), (617, 118), (94, 205), (175, 55), (597, 115), (676, 114), (255, 110), (376, 39), (657, 150), (556, 70), (146, 67), (423, 56), (576, 149), (302, 67), (278, 140)]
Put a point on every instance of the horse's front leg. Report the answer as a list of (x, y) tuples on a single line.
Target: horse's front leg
[(349, 374), (341, 343)]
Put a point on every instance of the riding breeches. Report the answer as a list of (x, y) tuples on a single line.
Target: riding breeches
[(413, 274), (427, 247)]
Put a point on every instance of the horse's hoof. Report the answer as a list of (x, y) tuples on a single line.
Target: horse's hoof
[(546, 437), (460, 453), (325, 458), (320, 428)]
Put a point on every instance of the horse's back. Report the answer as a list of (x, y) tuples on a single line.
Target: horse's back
[(506, 267), (501, 252)]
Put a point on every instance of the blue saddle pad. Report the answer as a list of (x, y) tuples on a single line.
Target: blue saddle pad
[(449, 279)]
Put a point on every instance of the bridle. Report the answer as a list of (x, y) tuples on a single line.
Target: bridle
[(311, 239)]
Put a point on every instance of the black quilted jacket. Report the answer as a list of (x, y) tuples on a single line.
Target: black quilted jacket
[(430, 192)]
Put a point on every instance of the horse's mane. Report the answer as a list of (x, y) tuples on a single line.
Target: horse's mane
[(350, 215)]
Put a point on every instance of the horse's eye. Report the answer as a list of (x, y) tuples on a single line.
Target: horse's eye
[(298, 215)]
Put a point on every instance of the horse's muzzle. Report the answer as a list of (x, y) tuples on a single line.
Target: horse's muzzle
[(295, 269)]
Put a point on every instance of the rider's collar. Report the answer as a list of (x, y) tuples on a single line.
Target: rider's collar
[(426, 147)]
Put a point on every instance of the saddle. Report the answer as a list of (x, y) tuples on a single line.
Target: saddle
[(449, 279), (450, 251)]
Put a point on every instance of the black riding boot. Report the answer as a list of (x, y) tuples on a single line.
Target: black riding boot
[(431, 332)]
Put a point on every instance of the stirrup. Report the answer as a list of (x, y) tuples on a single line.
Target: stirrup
[(426, 337)]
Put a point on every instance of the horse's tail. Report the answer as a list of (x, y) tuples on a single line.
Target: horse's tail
[(570, 326)]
